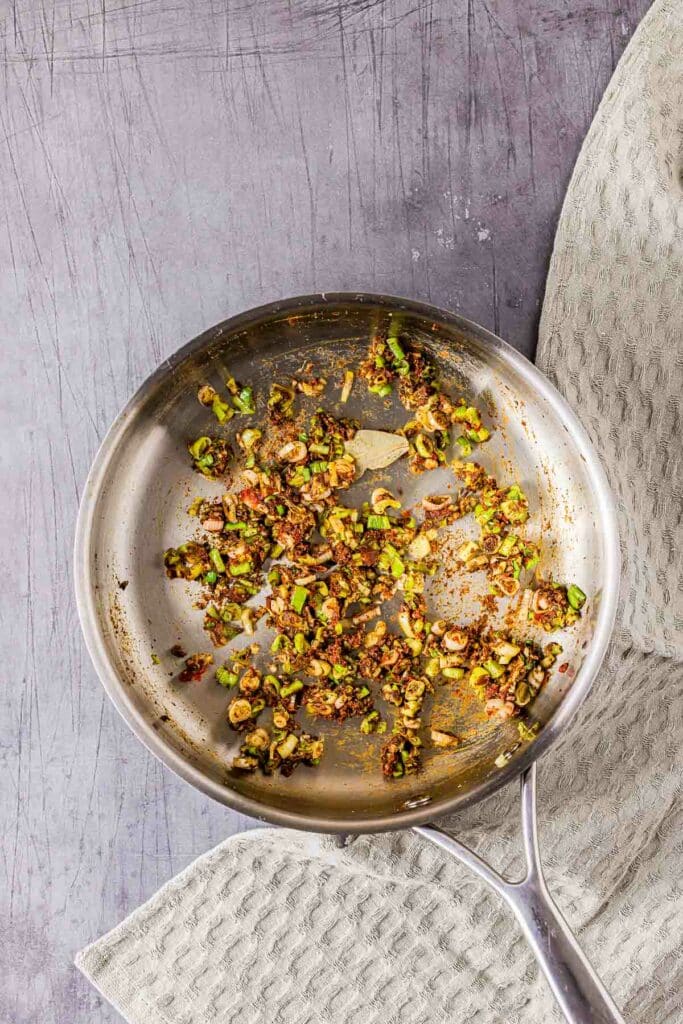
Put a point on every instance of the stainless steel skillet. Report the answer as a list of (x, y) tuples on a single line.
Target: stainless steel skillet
[(133, 508)]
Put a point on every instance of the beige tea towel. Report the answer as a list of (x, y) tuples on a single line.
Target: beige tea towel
[(275, 927)]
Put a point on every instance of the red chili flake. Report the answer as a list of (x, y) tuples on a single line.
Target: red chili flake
[(563, 668), (195, 667)]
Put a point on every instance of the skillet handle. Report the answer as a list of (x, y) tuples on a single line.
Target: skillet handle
[(578, 990)]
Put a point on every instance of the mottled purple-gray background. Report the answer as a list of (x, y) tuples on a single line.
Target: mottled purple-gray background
[(165, 163)]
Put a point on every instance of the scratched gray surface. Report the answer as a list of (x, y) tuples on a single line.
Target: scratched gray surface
[(165, 164)]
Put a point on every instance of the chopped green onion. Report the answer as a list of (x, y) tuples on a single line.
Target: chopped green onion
[(395, 346), (235, 526), (244, 401), (424, 446), (217, 560), (198, 447), (250, 437), (507, 545), (478, 676), (225, 677), (290, 688), (248, 588), (527, 732), (300, 476), (480, 435), (211, 576), (370, 723), (522, 694), (348, 384), (298, 599), (240, 568), (300, 643), (464, 445), (319, 467), (483, 515), (432, 668), (272, 682), (383, 390), (280, 509), (379, 523), (288, 745), (397, 567), (494, 669), (221, 410), (395, 327), (575, 596)]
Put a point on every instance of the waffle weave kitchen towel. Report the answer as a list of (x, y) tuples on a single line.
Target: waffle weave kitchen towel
[(276, 927)]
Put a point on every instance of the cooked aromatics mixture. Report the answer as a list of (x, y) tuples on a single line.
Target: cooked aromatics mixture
[(282, 545)]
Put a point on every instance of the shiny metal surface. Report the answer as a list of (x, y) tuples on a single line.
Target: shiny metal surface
[(581, 995), (133, 507)]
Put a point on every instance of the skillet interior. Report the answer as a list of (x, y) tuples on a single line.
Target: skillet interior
[(134, 507)]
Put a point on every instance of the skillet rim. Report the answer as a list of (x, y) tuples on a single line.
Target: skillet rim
[(152, 740)]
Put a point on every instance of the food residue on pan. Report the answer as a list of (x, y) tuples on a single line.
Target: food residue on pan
[(343, 586)]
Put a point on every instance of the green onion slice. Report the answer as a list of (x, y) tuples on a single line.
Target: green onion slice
[(298, 599)]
